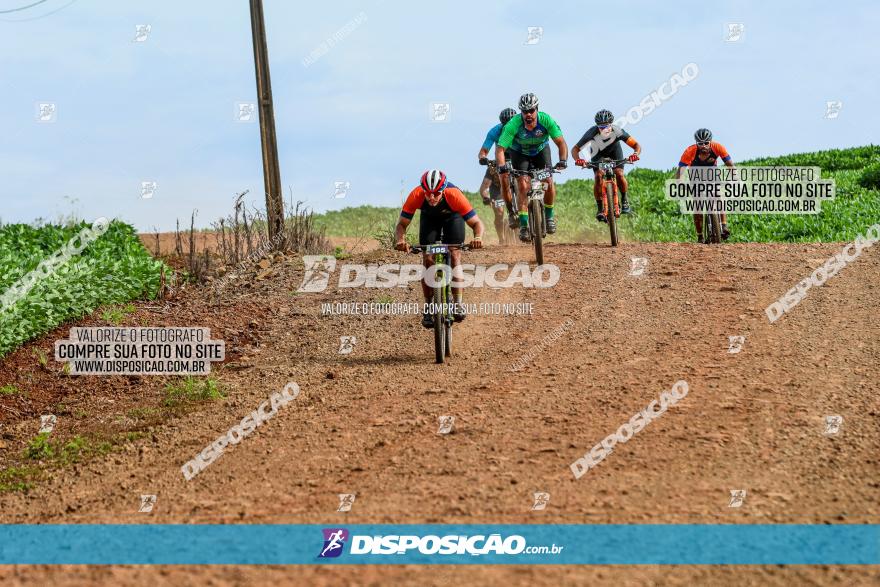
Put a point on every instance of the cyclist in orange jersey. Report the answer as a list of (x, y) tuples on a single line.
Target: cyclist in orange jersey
[(705, 153), (444, 212)]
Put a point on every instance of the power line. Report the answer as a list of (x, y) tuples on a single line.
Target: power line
[(50, 13), (23, 7)]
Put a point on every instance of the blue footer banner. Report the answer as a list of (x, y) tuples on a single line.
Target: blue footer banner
[(554, 544)]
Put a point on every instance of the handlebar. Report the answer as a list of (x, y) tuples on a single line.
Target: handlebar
[(415, 249), (534, 172), (607, 162)]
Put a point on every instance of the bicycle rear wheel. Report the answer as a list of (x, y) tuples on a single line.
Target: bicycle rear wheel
[(610, 188), (536, 224), (439, 326)]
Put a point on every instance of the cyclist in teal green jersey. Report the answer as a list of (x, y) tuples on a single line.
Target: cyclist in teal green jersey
[(526, 136)]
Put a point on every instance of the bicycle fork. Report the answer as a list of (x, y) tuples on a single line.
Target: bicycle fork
[(610, 184)]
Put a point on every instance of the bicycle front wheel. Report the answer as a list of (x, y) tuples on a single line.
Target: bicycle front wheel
[(439, 325), (610, 188), (536, 222), (714, 227)]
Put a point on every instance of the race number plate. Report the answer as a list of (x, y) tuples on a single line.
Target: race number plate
[(542, 175), (434, 249)]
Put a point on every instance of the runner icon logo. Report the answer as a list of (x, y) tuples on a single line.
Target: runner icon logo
[(47, 423), (534, 35), (334, 541), (735, 344), (141, 32), (341, 188), (639, 264), (832, 109), (542, 498), (737, 497), (735, 31), (346, 500), (148, 189), (832, 424), (447, 424), (147, 503), (317, 273), (346, 344)]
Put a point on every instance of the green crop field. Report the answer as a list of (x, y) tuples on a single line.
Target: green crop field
[(856, 173), (114, 268)]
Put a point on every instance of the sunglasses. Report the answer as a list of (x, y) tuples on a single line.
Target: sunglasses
[(703, 144), (532, 111), (603, 126)]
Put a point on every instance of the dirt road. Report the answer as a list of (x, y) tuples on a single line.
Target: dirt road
[(366, 423)]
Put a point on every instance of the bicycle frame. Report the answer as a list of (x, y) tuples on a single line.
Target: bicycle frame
[(442, 298), (538, 186), (711, 228), (505, 235), (606, 166), (610, 204)]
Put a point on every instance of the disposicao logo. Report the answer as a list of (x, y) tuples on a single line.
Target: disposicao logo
[(334, 541)]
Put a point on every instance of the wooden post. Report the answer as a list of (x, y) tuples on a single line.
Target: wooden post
[(271, 170)]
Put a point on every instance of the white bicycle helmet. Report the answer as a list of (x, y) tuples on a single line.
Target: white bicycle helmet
[(528, 101)]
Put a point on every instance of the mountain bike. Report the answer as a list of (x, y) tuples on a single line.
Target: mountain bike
[(610, 205), (538, 185), (442, 300), (711, 229), (508, 235)]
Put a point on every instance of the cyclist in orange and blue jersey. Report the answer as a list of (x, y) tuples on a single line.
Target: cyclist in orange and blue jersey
[(444, 210)]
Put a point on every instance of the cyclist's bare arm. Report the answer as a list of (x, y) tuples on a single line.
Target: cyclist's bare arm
[(499, 155), (483, 153), (476, 225), (563, 147), (400, 230), (484, 188)]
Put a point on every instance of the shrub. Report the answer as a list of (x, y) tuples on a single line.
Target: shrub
[(870, 178)]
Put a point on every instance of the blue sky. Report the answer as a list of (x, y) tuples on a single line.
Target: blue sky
[(163, 109)]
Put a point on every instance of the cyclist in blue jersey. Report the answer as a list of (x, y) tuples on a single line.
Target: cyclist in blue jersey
[(490, 189)]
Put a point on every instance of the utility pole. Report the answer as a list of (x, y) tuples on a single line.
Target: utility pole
[(271, 170)]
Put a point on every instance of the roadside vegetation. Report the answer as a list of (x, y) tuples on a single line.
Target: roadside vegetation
[(45, 451), (114, 269)]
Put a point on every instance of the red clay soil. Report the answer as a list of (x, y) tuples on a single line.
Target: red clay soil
[(366, 423), (166, 244)]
